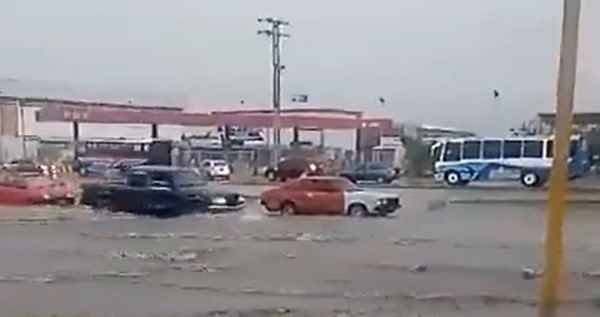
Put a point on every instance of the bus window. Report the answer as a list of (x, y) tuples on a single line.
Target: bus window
[(471, 150), (491, 149), (452, 152), (573, 148), (437, 152), (512, 149), (532, 149)]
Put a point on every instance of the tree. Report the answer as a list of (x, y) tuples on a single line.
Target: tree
[(416, 156)]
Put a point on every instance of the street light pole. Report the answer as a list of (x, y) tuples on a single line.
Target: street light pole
[(558, 191), (274, 31)]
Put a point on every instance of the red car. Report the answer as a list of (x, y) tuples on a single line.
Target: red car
[(35, 190), (325, 195)]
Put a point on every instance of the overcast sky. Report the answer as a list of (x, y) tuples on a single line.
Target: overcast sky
[(435, 61)]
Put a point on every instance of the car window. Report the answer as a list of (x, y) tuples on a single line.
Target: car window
[(573, 147), (512, 148), (532, 149), (360, 167), (187, 178), (436, 153), (138, 179), (471, 150), (492, 149), (323, 186), (452, 152), (206, 164), (293, 164), (160, 179), (343, 184), (220, 163), (310, 184), (375, 166)]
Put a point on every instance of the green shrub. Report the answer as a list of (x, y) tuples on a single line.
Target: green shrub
[(416, 156)]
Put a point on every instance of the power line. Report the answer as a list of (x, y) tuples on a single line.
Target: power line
[(274, 32)]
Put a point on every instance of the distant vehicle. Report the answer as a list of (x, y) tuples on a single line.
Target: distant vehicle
[(25, 166), (160, 191), (118, 168), (209, 140), (390, 152), (243, 137), (328, 195), (528, 159), (17, 190), (371, 172), (215, 169), (292, 167), (156, 152), (93, 167)]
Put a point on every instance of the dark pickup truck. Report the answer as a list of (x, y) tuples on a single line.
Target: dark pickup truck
[(371, 172), (160, 191)]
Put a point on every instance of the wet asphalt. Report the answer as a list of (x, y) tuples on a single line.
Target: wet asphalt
[(433, 258)]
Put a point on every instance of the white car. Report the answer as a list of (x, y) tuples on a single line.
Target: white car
[(215, 169)]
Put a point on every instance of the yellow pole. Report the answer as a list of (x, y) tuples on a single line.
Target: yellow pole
[(557, 194)]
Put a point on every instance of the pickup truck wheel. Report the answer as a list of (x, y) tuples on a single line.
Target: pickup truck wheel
[(288, 209), (357, 210)]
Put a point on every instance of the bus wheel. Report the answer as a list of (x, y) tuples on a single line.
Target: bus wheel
[(453, 178), (530, 179)]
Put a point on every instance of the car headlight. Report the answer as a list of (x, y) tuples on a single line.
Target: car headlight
[(380, 201), (241, 199), (312, 167), (219, 201)]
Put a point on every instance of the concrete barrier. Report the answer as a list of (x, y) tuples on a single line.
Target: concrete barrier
[(427, 184), (581, 201)]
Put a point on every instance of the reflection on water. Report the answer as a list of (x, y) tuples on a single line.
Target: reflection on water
[(474, 254)]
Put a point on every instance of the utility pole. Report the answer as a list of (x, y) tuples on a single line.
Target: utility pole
[(20, 108), (274, 32), (558, 188)]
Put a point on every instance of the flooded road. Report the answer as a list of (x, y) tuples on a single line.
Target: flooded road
[(433, 258)]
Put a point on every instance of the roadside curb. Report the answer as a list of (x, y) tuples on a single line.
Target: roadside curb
[(433, 186), (519, 201)]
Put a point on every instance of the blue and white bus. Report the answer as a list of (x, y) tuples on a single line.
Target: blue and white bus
[(528, 159)]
